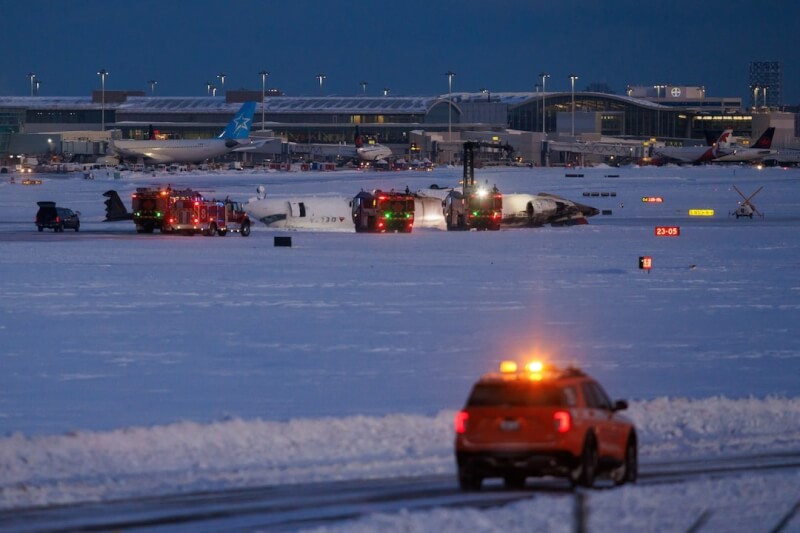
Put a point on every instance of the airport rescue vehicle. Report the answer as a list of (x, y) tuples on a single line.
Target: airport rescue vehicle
[(475, 206), (186, 211), (379, 211)]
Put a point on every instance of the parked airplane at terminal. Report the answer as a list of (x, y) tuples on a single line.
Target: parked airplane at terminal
[(759, 150), (371, 151), (695, 154), (235, 137), (334, 213), (359, 151), (784, 157)]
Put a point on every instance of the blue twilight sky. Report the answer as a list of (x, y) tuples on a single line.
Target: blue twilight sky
[(403, 45)]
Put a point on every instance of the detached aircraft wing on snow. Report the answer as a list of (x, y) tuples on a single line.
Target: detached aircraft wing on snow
[(236, 136)]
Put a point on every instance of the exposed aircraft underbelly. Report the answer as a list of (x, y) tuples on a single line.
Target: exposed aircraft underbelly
[(333, 213)]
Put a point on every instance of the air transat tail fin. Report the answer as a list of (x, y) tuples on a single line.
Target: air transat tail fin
[(239, 126)]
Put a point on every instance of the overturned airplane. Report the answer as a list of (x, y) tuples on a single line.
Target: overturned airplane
[(334, 212), (337, 213)]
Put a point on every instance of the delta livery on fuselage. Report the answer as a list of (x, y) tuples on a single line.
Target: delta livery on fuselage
[(236, 136)]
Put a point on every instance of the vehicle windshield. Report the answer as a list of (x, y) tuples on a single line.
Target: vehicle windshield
[(516, 394), (396, 206), (486, 202)]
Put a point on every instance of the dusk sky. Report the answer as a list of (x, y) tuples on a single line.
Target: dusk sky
[(405, 46)]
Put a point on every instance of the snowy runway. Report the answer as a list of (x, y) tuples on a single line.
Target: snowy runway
[(122, 338)]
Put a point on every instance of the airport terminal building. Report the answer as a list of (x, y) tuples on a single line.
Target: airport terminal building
[(78, 128)]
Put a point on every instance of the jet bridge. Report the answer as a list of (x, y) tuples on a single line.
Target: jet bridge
[(621, 150)]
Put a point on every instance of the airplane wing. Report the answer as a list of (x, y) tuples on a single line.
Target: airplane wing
[(254, 144)]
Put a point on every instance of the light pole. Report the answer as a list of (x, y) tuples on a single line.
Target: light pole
[(31, 77), (320, 77), (572, 78), (364, 88), (658, 111), (103, 73), (385, 91), (213, 90), (263, 75), (153, 84), (208, 88), (221, 77), (765, 87), (488, 94), (755, 97), (37, 83), (544, 76), (449, 75)]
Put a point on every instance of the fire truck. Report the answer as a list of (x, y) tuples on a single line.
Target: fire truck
[(379, 211), (475, 206), (186, 211)]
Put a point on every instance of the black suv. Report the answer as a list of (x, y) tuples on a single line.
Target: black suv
[(57, 218)]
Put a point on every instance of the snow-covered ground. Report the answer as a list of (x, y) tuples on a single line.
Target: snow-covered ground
[(137, 364)]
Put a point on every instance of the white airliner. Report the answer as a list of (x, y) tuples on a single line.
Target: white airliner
[(759, 150), (371, 151), (695, 154), (334, 213), (361, 151), (235, 137)]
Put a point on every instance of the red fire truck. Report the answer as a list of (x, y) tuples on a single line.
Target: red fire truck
[(379, 212), (475, 207), (186, 211)]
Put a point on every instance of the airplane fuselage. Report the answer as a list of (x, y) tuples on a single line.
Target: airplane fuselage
[(174, 151), (374, 152), (745, 154), (684, 154)]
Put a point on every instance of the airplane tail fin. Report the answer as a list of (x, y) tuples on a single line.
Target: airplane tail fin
[(358, 140), (765, 141), (725, 137), (115, 209), (239, 127), (720, 148)]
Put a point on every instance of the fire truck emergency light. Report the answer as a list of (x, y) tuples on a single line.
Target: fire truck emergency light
[(534, 366), (508, 367)]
